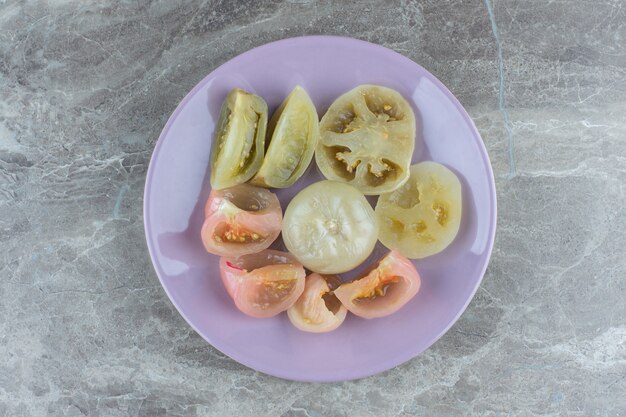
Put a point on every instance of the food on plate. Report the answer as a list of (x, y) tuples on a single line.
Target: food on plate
[(367, 138), (422, 217), (318, 310), (363, 145), (330, 227), (292, 132), (239, 141), (263, 284), (384, 289), (240, 220)]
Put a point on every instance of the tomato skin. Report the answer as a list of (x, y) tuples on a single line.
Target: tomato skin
[(240, 220), (310, 313), (330, 227), (263, 284), (383, 290)]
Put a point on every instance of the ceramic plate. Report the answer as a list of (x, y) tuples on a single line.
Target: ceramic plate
[(177, 187)]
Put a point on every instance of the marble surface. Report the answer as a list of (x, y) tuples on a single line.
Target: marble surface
[(85, 328)]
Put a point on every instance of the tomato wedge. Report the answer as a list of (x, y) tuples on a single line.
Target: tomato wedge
[(387, 286), (318, 310), (239, 141), (263, 284), (241, 220), (292, 133)]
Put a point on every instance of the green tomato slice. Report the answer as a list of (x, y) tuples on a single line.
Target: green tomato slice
[(294, 132), (367, 138), (239, 141), (423, 216)]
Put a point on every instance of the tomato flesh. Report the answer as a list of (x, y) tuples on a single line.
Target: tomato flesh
[(233, 233), (378, 288)]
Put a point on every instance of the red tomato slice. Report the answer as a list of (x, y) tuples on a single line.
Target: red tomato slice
[(241, 220), (388, 286), (263, 284), (318, 310)]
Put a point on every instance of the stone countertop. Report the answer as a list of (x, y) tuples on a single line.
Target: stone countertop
[(85, 88)]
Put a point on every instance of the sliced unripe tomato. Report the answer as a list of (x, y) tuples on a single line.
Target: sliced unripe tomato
[(240, 220), (318, 310), (292, 132), (239, 141), (263, 284), (367, 137), (423, 216), (384, 289)]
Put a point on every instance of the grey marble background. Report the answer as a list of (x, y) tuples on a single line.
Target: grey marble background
[(85, 88)]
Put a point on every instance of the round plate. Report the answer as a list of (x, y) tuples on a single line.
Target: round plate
[(177, 187)]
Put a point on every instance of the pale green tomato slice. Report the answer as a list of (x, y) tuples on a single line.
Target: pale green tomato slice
[(330, 227), (422, 217), (239, 141), (367, 138), (294, 132)]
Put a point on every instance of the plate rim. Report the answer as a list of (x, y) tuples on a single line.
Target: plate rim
[(354, 374)]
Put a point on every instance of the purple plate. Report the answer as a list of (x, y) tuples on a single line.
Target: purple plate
[(177, 187)]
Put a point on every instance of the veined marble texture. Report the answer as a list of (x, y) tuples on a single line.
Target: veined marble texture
[(85, 88)]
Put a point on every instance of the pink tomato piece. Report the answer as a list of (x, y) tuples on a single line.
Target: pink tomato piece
[(241, 220), (263, 284), (318, 310), (384, 289)]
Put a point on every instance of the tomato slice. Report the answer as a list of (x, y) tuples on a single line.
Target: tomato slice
[(263, 284), (241, 220), (423, 216), (386, 287), (318, 310), (367, 137)]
